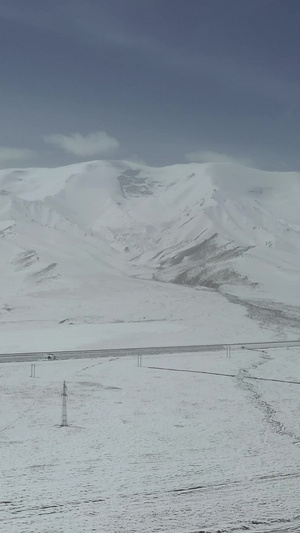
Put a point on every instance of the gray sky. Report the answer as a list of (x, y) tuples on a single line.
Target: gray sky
[(162, 81)]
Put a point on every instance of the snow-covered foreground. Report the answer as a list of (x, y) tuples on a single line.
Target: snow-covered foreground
[(152, 450)]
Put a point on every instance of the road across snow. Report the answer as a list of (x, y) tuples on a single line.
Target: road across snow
[(149, 350), (149, 450)]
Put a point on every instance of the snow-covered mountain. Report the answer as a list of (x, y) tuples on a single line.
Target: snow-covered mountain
[(68, 233)]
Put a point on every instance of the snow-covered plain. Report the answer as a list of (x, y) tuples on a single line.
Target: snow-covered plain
[(149, 449)]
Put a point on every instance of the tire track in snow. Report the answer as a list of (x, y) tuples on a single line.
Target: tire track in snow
[(269, 478)]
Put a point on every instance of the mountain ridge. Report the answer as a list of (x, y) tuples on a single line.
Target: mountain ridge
[(218, 226)]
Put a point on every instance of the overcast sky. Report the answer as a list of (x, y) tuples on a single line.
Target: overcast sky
[(161, 81)]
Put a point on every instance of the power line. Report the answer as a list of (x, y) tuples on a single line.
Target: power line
[(223, 374)]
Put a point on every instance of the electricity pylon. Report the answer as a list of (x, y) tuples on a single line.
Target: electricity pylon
[(64, 418)]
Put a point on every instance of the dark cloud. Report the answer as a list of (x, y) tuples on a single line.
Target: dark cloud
[(166, 78)]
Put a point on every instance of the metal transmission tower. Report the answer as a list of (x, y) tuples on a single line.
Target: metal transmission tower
[(64, 418)]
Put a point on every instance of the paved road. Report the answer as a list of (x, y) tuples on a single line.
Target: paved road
[(157, 350)]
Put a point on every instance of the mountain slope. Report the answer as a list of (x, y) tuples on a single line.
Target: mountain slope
[(68, 234)]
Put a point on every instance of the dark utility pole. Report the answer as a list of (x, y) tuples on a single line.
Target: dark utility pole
[(64, 418)]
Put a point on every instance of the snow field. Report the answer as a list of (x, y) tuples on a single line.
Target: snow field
[(124, 313), (152, 450)]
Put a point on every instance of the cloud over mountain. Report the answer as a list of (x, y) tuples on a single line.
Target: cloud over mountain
[(89, 145), (209, 156), (11, 154)]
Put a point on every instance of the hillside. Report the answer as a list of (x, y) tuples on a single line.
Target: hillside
[(107, 242)]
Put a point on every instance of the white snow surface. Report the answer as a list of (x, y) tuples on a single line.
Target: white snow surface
[(112, 252), (152, 449), (116, 254)]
